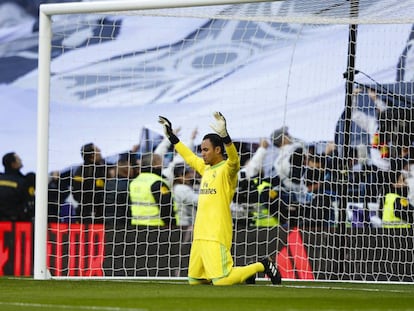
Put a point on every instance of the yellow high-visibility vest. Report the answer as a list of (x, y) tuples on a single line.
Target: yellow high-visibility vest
[(389, 220), (144, 210), (261, 217)]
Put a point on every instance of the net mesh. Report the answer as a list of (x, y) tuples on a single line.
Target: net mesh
[(276, 70), (301, 12)]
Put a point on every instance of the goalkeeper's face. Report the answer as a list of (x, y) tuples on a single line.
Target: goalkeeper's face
[(211, 154)]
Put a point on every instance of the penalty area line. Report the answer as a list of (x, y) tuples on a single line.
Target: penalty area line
[(52, 306)]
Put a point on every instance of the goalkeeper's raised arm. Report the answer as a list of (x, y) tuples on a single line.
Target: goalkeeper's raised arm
[(168, 131)]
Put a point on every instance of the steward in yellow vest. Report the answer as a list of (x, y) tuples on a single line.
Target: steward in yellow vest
[(151, 199), (396, 212), (262, 216)]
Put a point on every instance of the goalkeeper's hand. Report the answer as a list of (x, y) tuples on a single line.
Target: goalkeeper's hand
[(169, 133), (220, 127)]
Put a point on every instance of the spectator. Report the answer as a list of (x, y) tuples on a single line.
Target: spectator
[(253, 167), (184, 195), (58, 194), (210, 258), (288, 172), (353, 182), (88, 184), (151, 199), (186, 198), (316, 212), (17, 191), (378, 148), (117, 190), (395, 126), (31, 188), (290, 161), (267, 213), (246, 197), (398, 208)]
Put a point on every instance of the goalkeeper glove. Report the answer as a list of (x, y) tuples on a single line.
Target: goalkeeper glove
[(220, 127), (168, 130)]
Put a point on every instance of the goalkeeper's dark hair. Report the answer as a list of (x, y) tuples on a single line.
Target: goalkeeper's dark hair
[(216, 141)]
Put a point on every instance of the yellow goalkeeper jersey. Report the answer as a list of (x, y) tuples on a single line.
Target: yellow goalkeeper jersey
[(213, 219)]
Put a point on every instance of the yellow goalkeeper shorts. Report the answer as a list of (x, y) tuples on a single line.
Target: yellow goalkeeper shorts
[(209, 260)]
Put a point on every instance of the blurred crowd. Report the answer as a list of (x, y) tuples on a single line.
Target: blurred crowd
[(283, 181)]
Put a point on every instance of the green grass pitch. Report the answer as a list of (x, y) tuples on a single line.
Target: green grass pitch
[(18, 294)]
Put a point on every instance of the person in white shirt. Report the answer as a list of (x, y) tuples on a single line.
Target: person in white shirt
[(290, 161), (185, 197)]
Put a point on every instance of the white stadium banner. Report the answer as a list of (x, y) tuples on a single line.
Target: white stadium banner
[(188, 96)]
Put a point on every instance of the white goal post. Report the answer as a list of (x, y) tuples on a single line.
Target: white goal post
[(334, 76)]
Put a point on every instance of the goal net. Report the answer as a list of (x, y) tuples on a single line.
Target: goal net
[(318, 100)]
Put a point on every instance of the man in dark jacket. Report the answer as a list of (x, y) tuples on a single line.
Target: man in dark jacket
[(16, 191), (88, 185)]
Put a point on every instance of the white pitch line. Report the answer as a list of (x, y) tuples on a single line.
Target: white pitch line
[(349, 288), (42, 305)]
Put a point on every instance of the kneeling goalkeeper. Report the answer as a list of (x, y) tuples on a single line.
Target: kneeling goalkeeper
[(210, 257)]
